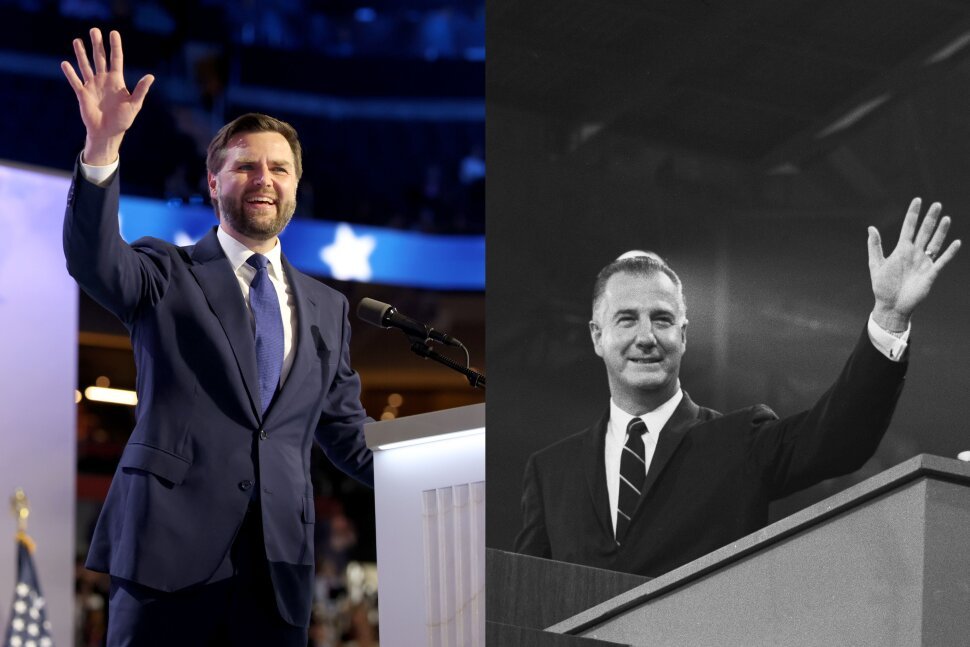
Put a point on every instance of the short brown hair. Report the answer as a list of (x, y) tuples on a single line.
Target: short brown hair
[(252, 122)]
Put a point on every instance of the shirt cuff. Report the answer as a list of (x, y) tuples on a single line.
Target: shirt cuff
[(98, 175), (892, 345)]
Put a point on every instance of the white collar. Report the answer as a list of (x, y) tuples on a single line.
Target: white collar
[(655, 420), (238, 254)]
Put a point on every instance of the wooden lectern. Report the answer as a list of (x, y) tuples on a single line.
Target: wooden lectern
[(429, 499), (883, 563)]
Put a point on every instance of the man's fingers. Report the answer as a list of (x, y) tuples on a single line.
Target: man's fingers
[(97, 51), (875, 247), (138, 94), (76, 84), (909, 222), (928, 226), (83, 63), (939, 237), (117, 56), (948, 255)]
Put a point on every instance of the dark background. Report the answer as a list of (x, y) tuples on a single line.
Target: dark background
[(749, 143)]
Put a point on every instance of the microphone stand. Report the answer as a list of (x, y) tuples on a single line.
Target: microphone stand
[(420, 347)]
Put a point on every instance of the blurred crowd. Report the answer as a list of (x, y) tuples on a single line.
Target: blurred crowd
[(388, 99)]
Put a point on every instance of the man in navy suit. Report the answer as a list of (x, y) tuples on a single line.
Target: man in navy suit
[(207, 530), (658, 481)]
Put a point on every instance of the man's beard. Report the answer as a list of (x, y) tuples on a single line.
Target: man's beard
[(258, 229)]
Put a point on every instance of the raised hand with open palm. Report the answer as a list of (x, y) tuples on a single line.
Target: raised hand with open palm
[(107, 108), (903, 279)]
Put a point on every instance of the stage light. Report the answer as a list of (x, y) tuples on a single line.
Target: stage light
[(365, 14), (853, 115), (111, 396), (949, 49)]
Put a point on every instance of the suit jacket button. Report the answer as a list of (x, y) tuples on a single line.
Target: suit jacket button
[(262, 434), (245, 485)]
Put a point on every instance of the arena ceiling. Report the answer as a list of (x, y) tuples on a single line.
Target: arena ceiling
[(758, 81)]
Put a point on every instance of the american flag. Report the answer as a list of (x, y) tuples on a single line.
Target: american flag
[(28, 619)]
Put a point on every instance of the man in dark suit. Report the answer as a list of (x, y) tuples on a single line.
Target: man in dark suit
[(658, 481), (207, 530)]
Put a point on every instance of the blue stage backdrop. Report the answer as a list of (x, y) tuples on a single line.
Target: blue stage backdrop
[(343, 251)]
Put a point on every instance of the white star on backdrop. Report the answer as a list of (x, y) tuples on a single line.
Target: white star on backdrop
[(182, 239), (349, 255)]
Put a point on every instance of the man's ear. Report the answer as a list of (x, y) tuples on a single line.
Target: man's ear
[(213, 186), (683, 333), (596, 334)]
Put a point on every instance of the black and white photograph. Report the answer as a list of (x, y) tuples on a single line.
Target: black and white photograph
[(726, 322)]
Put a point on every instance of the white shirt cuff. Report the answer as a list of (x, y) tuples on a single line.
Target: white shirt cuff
[(99, 175), (892, 345)]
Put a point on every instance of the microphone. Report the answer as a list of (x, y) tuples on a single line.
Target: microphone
[(384, 315)]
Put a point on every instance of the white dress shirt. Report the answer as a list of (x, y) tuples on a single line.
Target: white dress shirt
[(238, 254), (892, 345), (616, 439)]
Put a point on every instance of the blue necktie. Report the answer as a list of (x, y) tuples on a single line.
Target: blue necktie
[(269, 329)]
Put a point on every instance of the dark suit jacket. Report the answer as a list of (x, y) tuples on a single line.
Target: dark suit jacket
[(712, 475), (183, 484)]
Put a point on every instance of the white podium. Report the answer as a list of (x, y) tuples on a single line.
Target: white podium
[(429, 495)]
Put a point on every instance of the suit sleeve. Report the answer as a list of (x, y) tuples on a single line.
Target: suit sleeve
[(838, 434), (120, 277), (533, 538), (340, 431)]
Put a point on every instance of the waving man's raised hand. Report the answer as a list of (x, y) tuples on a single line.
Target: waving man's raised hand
[(903, 279), (107, 108)]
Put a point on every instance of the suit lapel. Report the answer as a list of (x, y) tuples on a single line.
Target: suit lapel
[(221, 288), (594, 469), (305, 340), (670, 438)]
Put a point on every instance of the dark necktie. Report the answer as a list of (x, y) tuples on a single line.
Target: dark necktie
[(632, 474), (269, 329)]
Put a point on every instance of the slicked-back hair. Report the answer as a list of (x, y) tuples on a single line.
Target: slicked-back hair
[(252, 122), (644, 266)]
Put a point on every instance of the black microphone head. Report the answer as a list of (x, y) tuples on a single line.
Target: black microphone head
[(372, 311)]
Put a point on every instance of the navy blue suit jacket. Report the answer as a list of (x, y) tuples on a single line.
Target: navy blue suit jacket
[(711, 478), (183, 484)]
